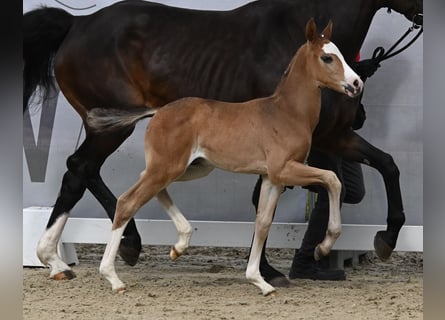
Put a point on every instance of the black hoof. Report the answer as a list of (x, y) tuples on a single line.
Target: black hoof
[(382, 246), (129, 250), (279, 282), (274, 277)]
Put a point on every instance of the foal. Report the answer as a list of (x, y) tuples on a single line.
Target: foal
[(268, 136)]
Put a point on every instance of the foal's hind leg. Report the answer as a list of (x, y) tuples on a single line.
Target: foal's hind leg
[(150, 184)]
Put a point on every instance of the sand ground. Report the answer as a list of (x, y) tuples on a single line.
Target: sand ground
[(209, 283)]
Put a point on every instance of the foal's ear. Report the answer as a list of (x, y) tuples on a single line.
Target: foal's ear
[(327, 32), (311, 30)]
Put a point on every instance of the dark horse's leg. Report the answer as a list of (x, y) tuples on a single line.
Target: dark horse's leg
[(362, 151), (130, 246), (83, 172)]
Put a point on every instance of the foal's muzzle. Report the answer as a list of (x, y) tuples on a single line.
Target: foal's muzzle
[(353, 89)]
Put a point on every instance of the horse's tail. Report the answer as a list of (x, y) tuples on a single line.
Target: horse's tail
[(106, 120), (43, 31)]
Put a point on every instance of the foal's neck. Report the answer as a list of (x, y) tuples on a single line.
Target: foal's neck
[(298, 92)]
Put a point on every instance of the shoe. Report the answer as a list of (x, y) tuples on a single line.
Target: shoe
[(308, 268)]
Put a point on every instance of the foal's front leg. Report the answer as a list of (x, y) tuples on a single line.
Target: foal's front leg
[(297, 174), (269, 196)]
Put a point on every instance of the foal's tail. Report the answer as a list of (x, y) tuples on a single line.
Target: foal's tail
[(43, 31), (107, 120)]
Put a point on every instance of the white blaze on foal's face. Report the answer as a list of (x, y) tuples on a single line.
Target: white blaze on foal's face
[(352, 83)]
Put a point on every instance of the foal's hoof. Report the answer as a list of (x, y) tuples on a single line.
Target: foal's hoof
[(271, 294), (317, 253), (174, 254), (382, 248), (64, 275), (129, 250), (121, 290)]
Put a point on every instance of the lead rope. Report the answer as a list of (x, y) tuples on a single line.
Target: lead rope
[(380, 55)]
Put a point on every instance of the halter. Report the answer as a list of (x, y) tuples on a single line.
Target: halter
[(380, 55)]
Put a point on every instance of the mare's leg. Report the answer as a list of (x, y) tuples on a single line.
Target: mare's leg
[(101, 147), (267, 202), (72, 189), (362, 151), (269, 273), (83, 172), (184, 228)]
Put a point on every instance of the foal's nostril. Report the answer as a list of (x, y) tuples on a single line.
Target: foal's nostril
[(356, 83)]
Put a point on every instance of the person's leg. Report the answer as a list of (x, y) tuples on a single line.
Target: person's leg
[(353, 182)]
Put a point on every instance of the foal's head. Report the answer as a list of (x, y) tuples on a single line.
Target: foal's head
[(325, 62)]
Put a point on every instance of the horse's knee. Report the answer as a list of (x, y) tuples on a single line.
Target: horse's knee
[(332, 182), (334, 231), (74, 163), (389, 167), (71, 192), (82, 166), (72, 188)]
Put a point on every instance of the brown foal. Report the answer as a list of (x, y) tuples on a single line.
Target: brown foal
[(270, 136)]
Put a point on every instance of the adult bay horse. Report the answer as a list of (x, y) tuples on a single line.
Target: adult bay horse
[(137, 54), (268, 136)]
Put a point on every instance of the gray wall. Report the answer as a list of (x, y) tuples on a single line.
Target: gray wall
[(393, 101)]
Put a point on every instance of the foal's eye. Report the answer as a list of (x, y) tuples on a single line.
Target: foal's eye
[(326, 58)]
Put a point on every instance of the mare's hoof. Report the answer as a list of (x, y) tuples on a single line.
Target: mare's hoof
[(129, 251), (280, 282), (64, 275), (381, 246)]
